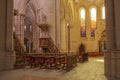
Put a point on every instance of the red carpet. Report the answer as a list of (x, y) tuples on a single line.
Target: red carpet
[(95, 54)]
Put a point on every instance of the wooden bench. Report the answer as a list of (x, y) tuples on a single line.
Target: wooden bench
[(52, 61)]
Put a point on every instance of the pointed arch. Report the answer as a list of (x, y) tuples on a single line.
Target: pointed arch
[(20, 5)]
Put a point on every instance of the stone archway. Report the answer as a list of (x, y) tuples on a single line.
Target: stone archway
[(20, 6), (28, 16)]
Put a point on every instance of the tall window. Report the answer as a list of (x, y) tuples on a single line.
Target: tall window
[(82, 23), (93, 21), (103, 12)]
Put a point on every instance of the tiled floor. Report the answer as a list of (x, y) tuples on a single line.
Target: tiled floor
[(91, 70)]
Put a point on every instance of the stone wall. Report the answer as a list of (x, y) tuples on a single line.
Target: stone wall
[(70, 13)]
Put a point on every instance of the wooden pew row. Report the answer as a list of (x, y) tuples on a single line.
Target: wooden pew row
[(71, 62), (51, 61)]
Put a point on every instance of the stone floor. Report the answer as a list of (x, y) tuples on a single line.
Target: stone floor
[(91, 70)]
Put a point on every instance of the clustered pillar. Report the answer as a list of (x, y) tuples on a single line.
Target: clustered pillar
[(112, 56), (7, 56), (19, 28)]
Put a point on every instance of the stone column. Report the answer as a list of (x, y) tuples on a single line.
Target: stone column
[(7, 56), (110, 26), (57, 23), (35, 37), (29, 45), (107, 63), (118, 65), (110, 36), (117, 22), (38, 37), (113, 64), (19, 28), (112, 56), (117, 32), (63, 46)]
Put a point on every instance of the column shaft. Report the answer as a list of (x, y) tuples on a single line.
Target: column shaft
[(7, 56)]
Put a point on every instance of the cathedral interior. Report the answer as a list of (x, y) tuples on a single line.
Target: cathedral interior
[(59, 40)]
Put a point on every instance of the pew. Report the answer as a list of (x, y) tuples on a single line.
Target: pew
[(52, 61)]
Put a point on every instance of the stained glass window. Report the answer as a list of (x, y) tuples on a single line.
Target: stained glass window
[(93, 21), (82, 23)]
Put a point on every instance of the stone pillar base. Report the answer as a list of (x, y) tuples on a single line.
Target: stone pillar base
[(107, 63), (112, 65), (7, 60), (113, 78), (2, 60)]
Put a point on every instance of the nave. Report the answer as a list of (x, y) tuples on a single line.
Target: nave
[(90, 70)]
